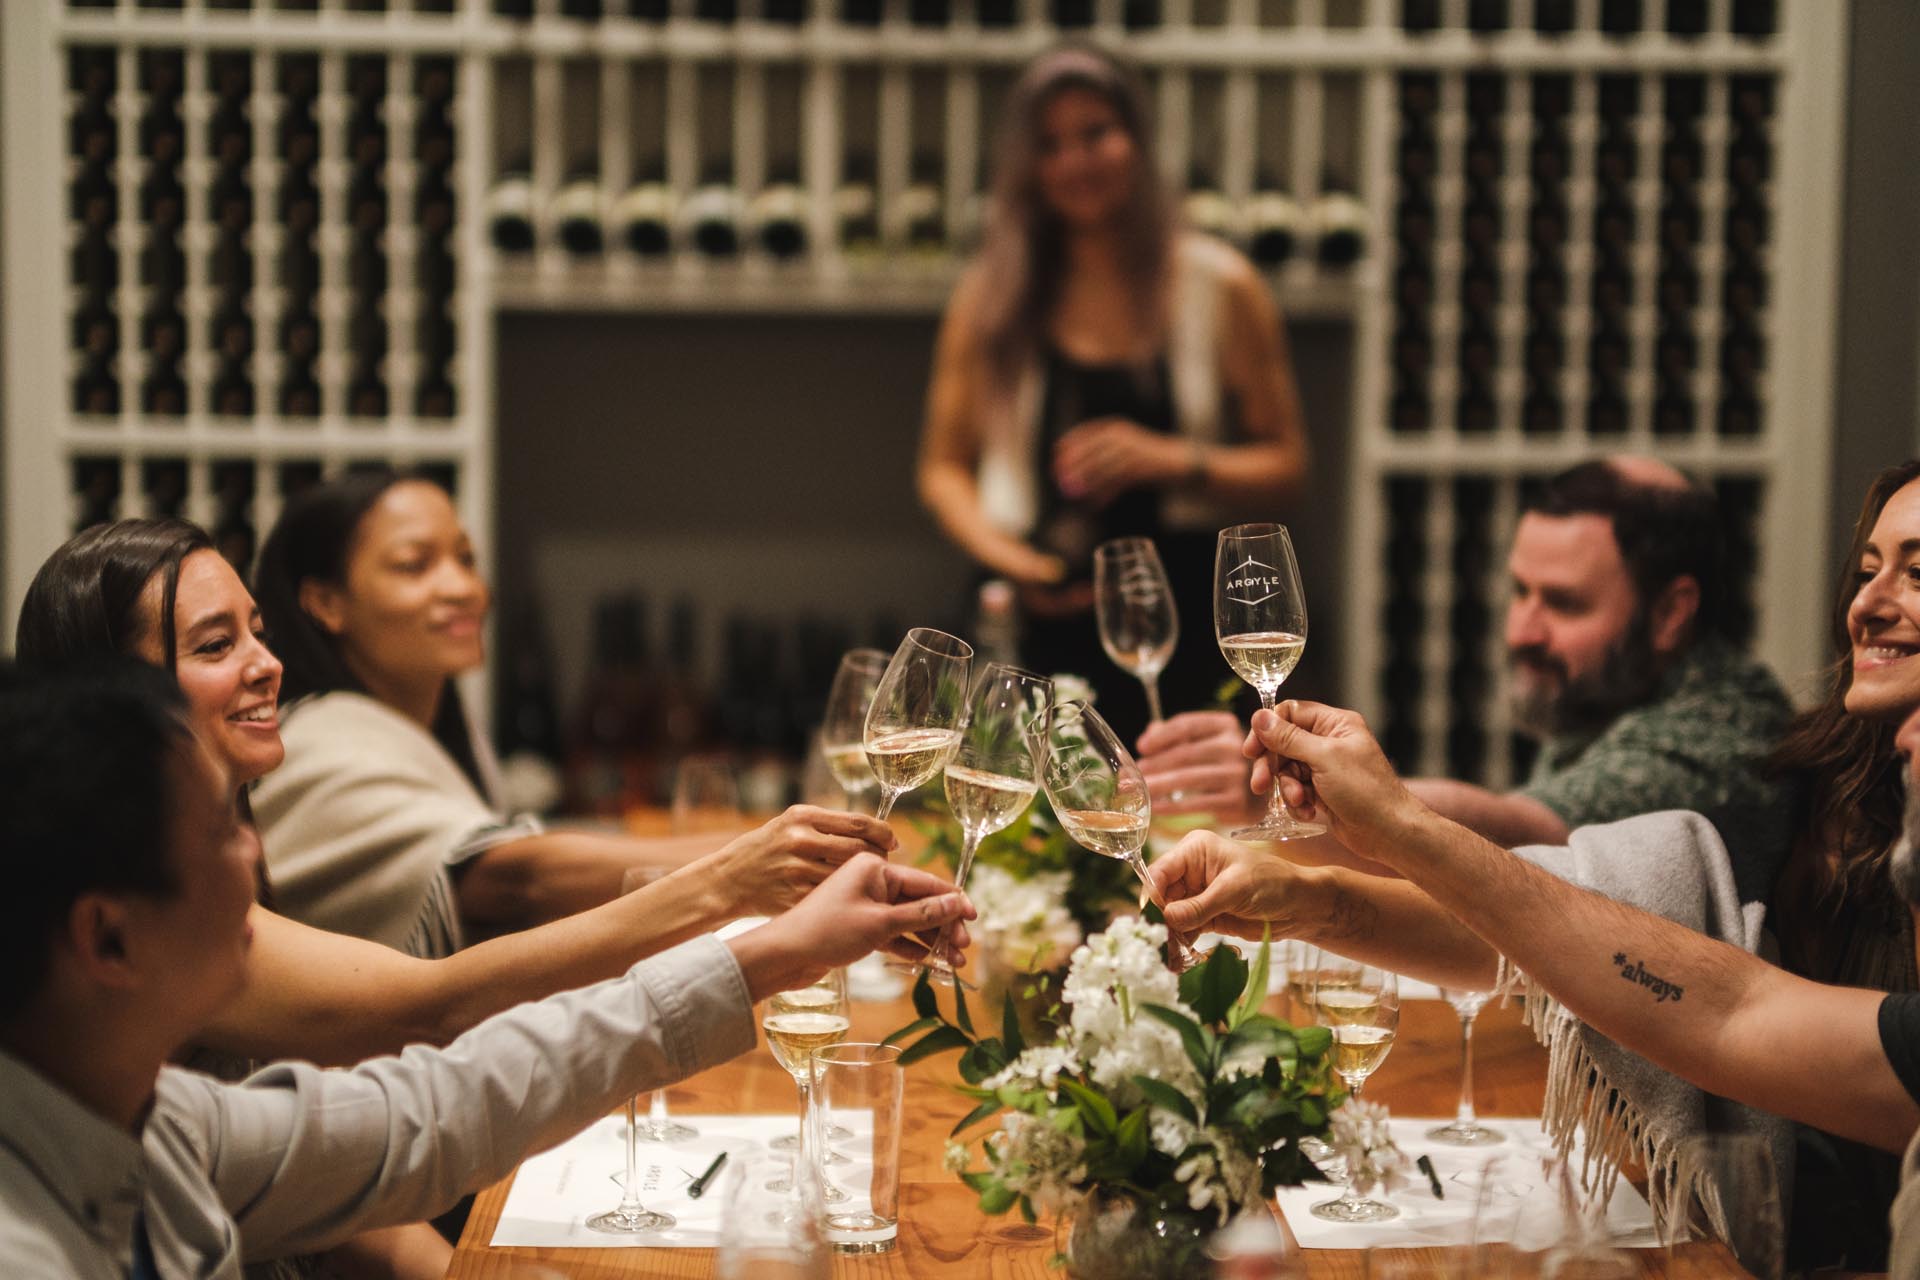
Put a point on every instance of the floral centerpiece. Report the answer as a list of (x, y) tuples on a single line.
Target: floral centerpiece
[(1163, 1105)]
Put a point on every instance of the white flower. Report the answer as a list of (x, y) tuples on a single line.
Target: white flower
[(1359, 1132), (1114, 975), (1023, 923), (1068, 687), (957, 1157), (1037, 1068)]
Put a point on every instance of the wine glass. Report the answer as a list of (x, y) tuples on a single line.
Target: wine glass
[(630, 1217), (843, 728), (1260, 619), (1134, 605), (992, 776), (1465, 1130), (914, 722), (1363, 1013), (1309, 969), (762, 1235), (1100, 798), (797, 1022)]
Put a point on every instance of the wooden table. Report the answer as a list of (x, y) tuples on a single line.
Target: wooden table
[(943, 1232)]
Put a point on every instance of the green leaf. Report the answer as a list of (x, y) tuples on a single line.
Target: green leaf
[(979, 1180), (961, 1014), (987, 1108), (1255, 992), (984, 1059), (924, 1002), (997, 1198), (938, 1040), (1011, 1036), (1101, 1117), (1217, 983), (1167, 1098), (917, 1025), (1192, 1036), (1314, 1041), (1131, 1138)]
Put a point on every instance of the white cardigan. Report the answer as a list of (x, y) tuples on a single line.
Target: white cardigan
[(364, 821)]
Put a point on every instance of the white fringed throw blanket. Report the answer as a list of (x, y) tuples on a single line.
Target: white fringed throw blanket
[(1671, 864)]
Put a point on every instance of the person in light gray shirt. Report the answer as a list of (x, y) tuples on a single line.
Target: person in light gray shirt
[(124, 928)]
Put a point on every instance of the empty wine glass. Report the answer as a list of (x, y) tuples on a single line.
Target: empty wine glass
[(1465, 1130), (992, 776), (1133, 603), (914, 722), (1362, 1007), (1260, 619), (630, 1217), (762, 1235), (843, 727), (1100, 798), (797, 1022)]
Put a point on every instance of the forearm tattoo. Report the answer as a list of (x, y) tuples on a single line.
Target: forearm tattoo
[(1350, 917), (1636, 972)]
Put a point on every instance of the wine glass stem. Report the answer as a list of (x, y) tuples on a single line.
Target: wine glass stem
[(1277, 811), (1152, 683), (1464, 1116), (887, 796), (657, 1112), (804, 1152), (1183, 954), (969, 844), (630, 1189)]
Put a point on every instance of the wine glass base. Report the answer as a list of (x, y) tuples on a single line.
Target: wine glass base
[(1279, 829), (630, 1221), (666, 1131), (1467, 1134), (1344, 1210)]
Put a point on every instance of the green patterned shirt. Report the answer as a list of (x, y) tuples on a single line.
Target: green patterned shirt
[(1698, 745)]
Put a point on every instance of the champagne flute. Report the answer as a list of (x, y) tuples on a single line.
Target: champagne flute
[(914, 722), (1465, 1130), (843, 728), (992, 776), (1363, 1017), (1134, 606), (630, 1217), (797, 1022), (1100, 798), (1260, 619)]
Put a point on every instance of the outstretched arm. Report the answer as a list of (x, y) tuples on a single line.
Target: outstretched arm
[(1725, 1020)]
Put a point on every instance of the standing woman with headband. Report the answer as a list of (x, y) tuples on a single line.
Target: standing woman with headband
[(1102, 373)]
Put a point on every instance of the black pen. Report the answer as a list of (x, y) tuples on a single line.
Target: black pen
[(699, 1184), (1426, 1167)]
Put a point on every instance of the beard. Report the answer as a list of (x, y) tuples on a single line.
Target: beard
[(1904, 867), (1551, 702)]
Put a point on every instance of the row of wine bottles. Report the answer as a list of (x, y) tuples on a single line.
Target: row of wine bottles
[(1688, 19), (716, 220), (1136, 15)]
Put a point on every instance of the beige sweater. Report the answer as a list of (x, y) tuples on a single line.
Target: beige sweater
[(364, 821)]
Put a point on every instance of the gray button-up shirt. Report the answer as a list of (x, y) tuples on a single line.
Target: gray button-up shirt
[(296, 1159)]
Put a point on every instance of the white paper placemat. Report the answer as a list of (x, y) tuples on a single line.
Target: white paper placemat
[(1425, 1221), (556, 1191)]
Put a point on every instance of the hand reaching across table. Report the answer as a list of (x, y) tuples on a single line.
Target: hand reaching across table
[(1192, 764)]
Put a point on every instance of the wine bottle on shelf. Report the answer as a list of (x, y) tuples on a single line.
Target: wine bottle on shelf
[(928, 13), (1606, 411), (716, 10), (1339, 228), (712, 215), (1488, 17), (608, 768), (1140, 15), (1275, 227), (96, 390), (1071, 14), (1553, 17), (1419, 17), (787, 13), (164, 481), (435, 397), (645, 216), (300, 394), (1620, 17), (510, 212), (1687, 18), (578, 215), (580, 10), (919, 211), (998, 13), (233, 390), (683, 715), (530, 722), (777, 218), (164, 393), (860, 13), (856, 209)]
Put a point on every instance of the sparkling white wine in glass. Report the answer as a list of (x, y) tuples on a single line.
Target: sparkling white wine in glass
[(794, 1036), (1100, 797), (1133, 603), (796, 1023), (1260, 620), (913, 724), (843, 726), (992, 776), (1365, 1014)]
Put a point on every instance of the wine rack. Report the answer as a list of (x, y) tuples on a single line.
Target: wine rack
[(284, 229)]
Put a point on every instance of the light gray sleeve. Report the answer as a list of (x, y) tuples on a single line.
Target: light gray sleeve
[(303, 1158)]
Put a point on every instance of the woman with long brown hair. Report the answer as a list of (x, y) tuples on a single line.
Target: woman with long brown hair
[(1102, 373)]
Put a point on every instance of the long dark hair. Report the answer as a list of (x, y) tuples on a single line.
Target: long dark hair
[(312, 541), (85, 600), (1853, 770), (1022, 260)]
